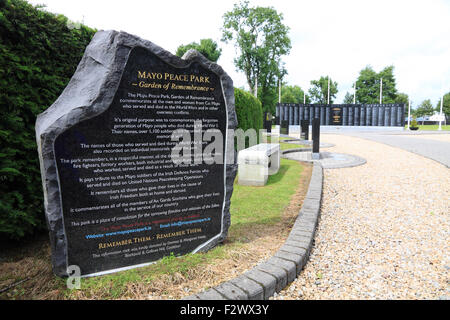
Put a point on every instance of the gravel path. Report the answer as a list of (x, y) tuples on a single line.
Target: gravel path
[(384, 228)]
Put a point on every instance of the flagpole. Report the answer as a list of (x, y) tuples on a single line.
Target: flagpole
[(328, 98), (279, 90), (381, 91), (409, 111)]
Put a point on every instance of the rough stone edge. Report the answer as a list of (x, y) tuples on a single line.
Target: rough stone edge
[(275, 273), (89, 93)]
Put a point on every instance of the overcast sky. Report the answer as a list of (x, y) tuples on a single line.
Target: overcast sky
[(329, 37)]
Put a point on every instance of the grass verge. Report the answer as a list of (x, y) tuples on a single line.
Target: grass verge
[(431, 127)]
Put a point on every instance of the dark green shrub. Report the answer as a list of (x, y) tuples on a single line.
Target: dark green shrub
[(248, 110), (38, 56)]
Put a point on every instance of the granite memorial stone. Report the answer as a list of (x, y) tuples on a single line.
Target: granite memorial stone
[(284, 127), (336, 116), (345, 114), (267, 122), (316, 138), (114, 198), (304, 124)]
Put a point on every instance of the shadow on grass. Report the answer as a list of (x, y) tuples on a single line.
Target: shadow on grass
[(279, 175), (255, 210)]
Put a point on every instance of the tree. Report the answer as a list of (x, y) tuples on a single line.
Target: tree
[(402, 98), (293, 94), (207, 47), (261, 39), (348, 99), (369, 82), (425, 109), (319, 90), (389, 89), (367, 90), (445, 106)]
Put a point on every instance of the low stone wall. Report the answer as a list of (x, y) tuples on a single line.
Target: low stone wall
[(274, 274)]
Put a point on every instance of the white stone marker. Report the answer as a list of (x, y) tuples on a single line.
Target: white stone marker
[(257, 163)]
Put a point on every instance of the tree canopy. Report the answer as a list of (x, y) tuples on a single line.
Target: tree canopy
[(207, 47), (319, 90), (445, 105), (292, 94), (369, 82), (402, 98), (261, 39), (425, 109), (348, 99)]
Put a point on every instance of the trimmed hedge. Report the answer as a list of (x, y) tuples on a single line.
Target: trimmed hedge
[(38, 55), (248, 110)]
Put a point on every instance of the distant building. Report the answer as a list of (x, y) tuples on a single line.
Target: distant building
[(434, 119)]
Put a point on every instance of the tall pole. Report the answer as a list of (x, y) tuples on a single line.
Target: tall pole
[(440, 114), (409, 111), (354, 93), (279, 90), (328, 99), (304, 98), (381, 91)]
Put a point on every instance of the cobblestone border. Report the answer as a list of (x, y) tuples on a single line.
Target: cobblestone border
[(274, 274)]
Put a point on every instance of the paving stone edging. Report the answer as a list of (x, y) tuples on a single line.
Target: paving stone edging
[(274, 274)]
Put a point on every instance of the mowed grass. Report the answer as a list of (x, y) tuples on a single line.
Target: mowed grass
[(431, 127), (255, 206), (286, 146), (252, 209)]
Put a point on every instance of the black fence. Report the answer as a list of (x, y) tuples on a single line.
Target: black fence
[(388, 115)]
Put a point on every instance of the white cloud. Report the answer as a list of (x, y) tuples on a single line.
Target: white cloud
[(336, 38)]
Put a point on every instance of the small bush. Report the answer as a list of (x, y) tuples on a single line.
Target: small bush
[(413, 123)]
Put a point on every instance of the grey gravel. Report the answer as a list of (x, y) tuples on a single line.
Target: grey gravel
[(384, 228)]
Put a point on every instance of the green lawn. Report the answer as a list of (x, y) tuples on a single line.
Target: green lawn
[(431, 127), (247, 209), (248, 213), (286, 146)]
